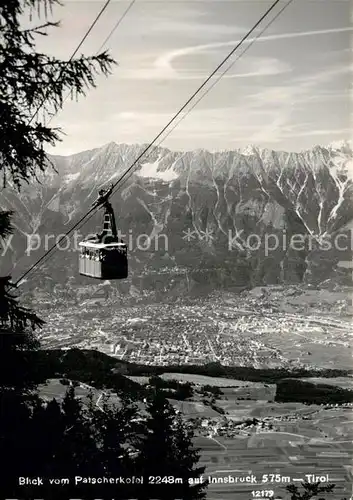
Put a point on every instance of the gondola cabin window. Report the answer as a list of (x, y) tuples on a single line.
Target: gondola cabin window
[(103, 260)]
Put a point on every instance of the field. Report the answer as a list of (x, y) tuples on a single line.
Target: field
[(214, 381), (299, 449), (231, 388), (286, 456), (54, 389), (139, 379), (343, 382), (302, 439), (251, 390), (193, 409)]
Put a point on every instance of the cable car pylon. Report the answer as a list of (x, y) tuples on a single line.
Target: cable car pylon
[(105, 256), (109, 225)]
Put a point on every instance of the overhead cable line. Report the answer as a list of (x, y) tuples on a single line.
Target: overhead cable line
[(221, 75), (86, 35), (72, 56), (198, 90), (117, 24), (94, 209), (214, 83)]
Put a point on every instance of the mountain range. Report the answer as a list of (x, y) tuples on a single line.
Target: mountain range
[(214, 219)]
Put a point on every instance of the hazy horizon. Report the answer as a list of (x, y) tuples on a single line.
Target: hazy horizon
[(290, 91)]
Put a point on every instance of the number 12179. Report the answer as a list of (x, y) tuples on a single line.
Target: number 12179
[(262, 493)]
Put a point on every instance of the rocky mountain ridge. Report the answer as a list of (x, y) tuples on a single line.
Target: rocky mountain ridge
[(214, 219)]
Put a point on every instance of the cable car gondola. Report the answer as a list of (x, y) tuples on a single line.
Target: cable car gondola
[(104, 257)]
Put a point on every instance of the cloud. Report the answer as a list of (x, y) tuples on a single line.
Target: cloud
[(300, 89), (254, 67), (195, 29), (165, 61), (341, 132), (283, 101), (262, 117), (162, 68)]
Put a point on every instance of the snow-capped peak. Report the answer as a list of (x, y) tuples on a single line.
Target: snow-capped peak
[(248, 150), (345, 145)]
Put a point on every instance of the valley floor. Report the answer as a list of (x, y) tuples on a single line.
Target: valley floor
[(274, 443), (273, 327)]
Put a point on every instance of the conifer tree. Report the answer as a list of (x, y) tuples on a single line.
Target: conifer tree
[(166, 451), (115, 427), (32, 85), (18, 372), (53, 439), (187, 458), (77, 453), (310, 490)]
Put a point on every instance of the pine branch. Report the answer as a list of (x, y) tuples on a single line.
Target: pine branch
[(11, 9), (37, 29), (33, 84), (75, 76), (12, 315), (6, 227)]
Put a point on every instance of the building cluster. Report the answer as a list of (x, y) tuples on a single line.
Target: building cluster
[(198, 333)]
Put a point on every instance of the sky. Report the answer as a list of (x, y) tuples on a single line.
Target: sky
[(289, 91)]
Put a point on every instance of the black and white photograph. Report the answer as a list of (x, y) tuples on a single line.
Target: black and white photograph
[(176, 242)]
